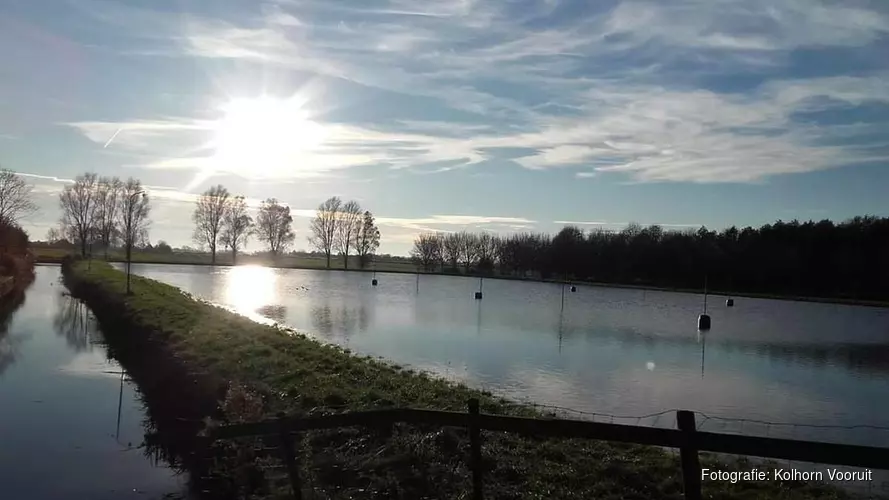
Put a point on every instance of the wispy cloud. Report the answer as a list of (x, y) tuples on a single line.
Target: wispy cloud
[(549, 79), (448, 223)]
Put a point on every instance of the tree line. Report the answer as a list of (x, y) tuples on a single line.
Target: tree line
[(821, 259), (222, 219), (107, 211), (848, 259)]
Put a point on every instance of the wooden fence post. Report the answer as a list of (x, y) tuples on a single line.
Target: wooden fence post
[(289, 456), (475, 443), (691, 466)]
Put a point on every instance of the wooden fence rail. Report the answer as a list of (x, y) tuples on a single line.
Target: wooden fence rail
[(686, 438)]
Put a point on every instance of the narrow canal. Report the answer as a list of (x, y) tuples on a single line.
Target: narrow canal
[(72, 425)]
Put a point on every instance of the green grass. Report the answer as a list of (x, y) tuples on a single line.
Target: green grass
[(271, 370)]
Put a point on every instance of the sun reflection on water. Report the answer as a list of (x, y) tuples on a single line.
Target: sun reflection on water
[(248, 288)]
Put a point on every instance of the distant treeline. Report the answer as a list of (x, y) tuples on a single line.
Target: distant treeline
[(818, 259)]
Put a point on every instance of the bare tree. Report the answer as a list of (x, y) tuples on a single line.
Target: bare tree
[(78, 204), (487, 247), (468, 249), (347, 228), (16, 200), (427, 250), (236, 226), (368, 240), (107, 206), (324, 226), (133, 220), (450, 248), (273, 226), (53, 235), (208, 215)]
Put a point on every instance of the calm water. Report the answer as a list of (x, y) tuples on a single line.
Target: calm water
[(70, 424), (612, 351)]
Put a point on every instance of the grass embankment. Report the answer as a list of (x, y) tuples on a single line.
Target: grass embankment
[(271, 370)]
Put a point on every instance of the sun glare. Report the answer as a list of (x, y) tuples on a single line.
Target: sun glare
[(250, 287), (264, 137)]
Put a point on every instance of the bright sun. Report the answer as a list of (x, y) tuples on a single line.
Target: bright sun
[(264, 137)]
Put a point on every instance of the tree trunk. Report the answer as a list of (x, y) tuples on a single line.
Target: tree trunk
[(83, 246), (346, 261), (328, 260), (213, 254), (234, 256)]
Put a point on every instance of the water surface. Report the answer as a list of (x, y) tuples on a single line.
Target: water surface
[(612, 351), (71, 424)]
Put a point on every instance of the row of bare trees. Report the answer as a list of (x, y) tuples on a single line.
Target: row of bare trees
[(455, 250), (221, 218), (344, 227), (108, 211), (103, 210)]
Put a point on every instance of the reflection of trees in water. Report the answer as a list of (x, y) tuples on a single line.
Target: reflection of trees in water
[(172, 411), (339, 321), (9, 343), (75, 322)]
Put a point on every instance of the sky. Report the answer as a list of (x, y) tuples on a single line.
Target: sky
[(487, 115)]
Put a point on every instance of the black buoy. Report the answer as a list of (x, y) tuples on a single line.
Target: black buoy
[(481, 284), (704, 322), (573, 288), (704, 318), (478, 295), (373, 282), (729, 302)]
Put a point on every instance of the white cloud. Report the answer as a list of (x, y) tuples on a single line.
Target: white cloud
[(599, 116), (749, 25)]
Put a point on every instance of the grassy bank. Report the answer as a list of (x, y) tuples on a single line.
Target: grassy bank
[(257, 370)]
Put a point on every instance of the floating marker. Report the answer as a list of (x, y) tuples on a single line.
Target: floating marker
[(573, 288), (374, 282), (704, 322), (704, 318), (478, 295), (729, 302)]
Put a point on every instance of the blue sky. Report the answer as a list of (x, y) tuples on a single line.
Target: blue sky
[(504, 115)]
